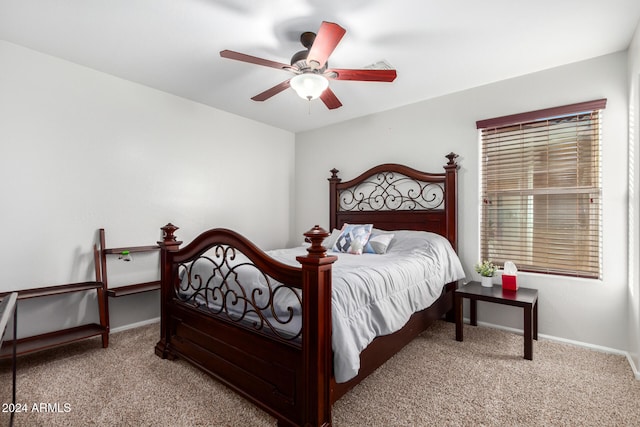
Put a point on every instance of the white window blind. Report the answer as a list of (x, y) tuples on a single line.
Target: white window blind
[(541, 190)]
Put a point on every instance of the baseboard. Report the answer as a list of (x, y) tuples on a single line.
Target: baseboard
[(634, 368), (594, 347), (136, 325)]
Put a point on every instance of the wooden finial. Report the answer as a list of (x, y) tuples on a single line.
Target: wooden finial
[(316, 235), (168, 233), (168, 237), (334, 176), (452, 158)]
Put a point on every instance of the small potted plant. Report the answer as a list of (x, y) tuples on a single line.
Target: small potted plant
[(487, 270)]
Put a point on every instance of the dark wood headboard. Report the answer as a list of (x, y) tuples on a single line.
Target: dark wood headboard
[(397, 197)]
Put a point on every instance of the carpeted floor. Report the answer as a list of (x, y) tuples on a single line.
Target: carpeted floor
[(434, 381)]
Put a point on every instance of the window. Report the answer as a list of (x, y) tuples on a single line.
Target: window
[(541, 190)]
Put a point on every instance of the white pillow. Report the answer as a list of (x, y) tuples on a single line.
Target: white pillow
[(378, 243), (353, 238), (331, 240)]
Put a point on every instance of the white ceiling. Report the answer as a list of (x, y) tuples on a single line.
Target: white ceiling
[(437, 46)]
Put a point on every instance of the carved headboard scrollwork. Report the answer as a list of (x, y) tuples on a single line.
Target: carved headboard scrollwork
[(395, 197)]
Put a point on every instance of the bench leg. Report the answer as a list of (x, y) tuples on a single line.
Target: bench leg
[(528, 332), (457, 302), (473, 312), (535, 320)]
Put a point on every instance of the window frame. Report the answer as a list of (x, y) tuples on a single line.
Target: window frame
[(525, 125)]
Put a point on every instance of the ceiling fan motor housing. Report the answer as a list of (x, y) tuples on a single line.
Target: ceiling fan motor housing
[(299, 59)]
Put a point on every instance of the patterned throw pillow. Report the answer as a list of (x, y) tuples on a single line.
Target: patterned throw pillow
[(353, 238)]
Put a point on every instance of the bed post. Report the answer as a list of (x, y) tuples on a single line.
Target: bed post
[(451, 207), (316, 330), (167, 244), (333, 198)]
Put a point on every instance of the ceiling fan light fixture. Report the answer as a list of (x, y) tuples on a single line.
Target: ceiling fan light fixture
[(311, 68), (309, 85)]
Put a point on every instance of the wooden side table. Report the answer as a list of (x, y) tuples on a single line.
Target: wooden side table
[(523, 297)]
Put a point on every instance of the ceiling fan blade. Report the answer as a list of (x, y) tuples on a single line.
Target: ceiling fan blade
[(328, 37), (273, 91), (330, 99), (366, 75), (254, 60)]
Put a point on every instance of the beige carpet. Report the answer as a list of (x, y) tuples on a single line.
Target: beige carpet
[(435, 381)]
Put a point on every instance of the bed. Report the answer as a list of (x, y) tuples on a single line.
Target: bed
[(267, 324)]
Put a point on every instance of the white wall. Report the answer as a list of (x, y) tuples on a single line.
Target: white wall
[(419, 135), (634, 200), (81, 150)]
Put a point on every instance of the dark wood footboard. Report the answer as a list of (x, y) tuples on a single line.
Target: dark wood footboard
[(286, 375)]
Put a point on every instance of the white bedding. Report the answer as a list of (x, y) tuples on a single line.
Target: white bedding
[(376, 294)]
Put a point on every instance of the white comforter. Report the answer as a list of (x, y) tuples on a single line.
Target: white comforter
[(376, 294)]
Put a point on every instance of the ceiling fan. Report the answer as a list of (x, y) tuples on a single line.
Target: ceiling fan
[(310, 67)]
